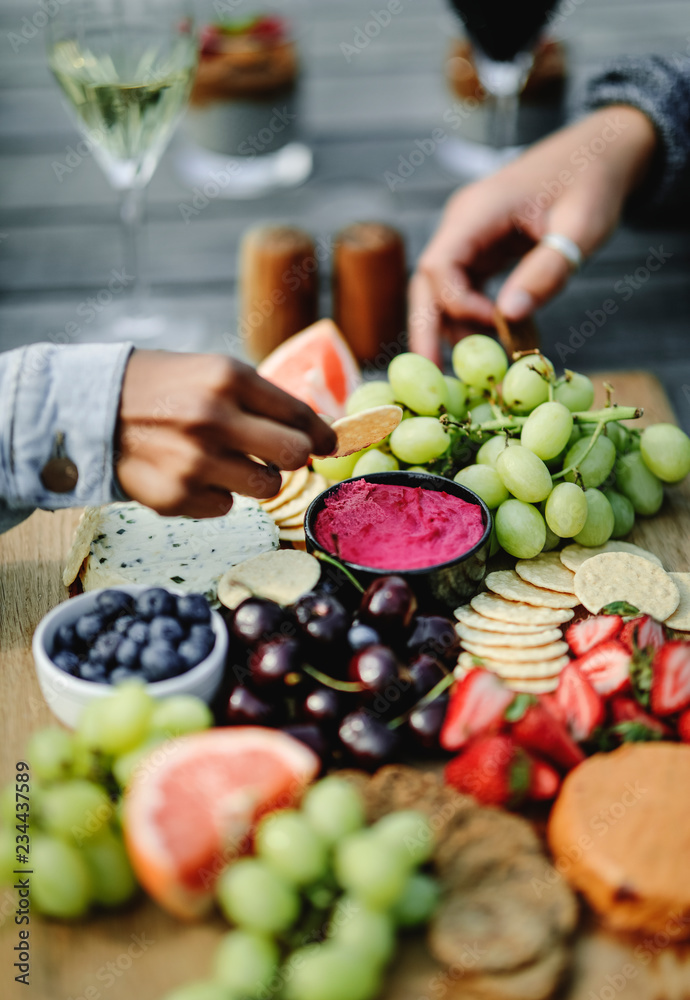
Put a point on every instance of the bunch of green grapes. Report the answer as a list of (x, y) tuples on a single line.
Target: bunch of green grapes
[(71, 831), (316, 910), (527, 442)]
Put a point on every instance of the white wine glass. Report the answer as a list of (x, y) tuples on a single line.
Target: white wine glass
[(126, 68)]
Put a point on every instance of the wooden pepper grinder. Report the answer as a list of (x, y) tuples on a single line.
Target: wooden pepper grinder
[(279, 287), (369, 287)]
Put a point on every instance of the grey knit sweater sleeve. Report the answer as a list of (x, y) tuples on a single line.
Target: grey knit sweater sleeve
[(660, 87)]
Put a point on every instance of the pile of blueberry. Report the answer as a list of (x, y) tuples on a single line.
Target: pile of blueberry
[(152, 637)]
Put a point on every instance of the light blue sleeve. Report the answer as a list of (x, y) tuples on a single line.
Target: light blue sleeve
[(46, 389)]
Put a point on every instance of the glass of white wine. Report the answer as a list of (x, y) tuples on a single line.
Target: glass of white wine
[(126, 68)]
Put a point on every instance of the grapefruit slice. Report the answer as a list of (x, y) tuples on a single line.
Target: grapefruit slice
[(193, 802), (316, 366)]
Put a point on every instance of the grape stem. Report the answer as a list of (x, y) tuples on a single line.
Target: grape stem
[(324, 557), (347, 687), (430, 696)]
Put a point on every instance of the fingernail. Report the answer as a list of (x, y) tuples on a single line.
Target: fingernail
[(515, 303)]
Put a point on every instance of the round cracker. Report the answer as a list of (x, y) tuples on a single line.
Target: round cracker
[(283, 576), (620, 576), (515, 655), (515, 612), (291, 534), (231, 594), (546, 570), (507, 584), (466, 616), (541, 685), (574, 555), (535, 670), (680, 619), (542, 638), (290, 489), (361, 430), (297, 506)]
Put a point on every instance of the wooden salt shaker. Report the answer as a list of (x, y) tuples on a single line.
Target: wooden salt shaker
[(279, 287), (369, 287)]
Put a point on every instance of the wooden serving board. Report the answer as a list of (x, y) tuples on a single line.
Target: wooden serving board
[(141, 953)]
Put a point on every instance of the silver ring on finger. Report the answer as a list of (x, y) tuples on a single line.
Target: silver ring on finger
[(566, 247)]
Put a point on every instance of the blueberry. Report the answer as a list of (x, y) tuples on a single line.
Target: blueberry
[(105, 648), (120, 674), (204, 636), (112, 603), (93, 672), (127, 654), (166, 628), (66, 638), (153, 602), (121, 624), (89, 627), (67, 660), (139, 631), (160, 660), (193, 609), (192, 652)]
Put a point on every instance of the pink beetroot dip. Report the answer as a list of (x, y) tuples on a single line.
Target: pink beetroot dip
[(397, 527)]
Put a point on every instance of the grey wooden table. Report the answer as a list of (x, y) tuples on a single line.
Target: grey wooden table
[(59, 238)]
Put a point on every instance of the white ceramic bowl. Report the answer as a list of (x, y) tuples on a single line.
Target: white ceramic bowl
[(66, 695)]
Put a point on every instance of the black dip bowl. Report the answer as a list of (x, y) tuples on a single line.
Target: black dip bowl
[(449, 583)]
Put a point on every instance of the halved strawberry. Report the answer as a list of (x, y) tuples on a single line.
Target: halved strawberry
[(545, 781), (588, 633), (581, 706), (671, 678), (536, 729), (684, 726), (628, 637), (606, 667), (493, 770), (633, 724), (642, 632), (476, 705)]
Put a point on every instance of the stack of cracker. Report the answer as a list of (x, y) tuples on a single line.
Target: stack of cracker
[(288, 507)]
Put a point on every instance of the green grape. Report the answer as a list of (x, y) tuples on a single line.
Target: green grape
[(334, 808), (88, 763), (566, 510), (479, 361), (458, 397), (366, 932), (417, 468), (600, 521), (419, 440), (481, 413), (520, 529), (547, 430), (485, 482), (375, 461), (245, 963), (418, 383), (123, 767), (552, 540), (112, 877), (618, 436), (524, 475), (256, 898), (408, 831), (202, 989), (118, 722), (366, 866), (523, 388), (8, 856), (666, 452), (575, 435), (61, 884), (8, 805), (75, 809), (179, 714), (491, 449), (623, 513), (336, 469), (596, 467), (368, 395), (331, 972), (576, 392), (51, 753), (287, 842), (418, 902), (636, 482)]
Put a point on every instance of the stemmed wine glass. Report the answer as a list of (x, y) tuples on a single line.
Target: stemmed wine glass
[(126, 68)]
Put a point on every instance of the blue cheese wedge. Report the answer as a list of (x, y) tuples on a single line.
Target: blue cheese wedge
[(127, 543)]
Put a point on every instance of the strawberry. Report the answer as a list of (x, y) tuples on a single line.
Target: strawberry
[(535, 728), (606, 667), (671, 678), (642, 631), (632, 724), (684, 726), (476, 705), (545, 781), (581, 707), (493, 770), (588, 633)]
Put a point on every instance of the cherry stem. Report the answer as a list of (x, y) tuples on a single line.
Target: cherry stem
[(348, 687), (338, 564), (430, 696)]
